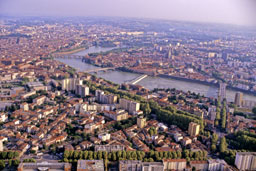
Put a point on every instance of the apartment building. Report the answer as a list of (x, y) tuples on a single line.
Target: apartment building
[(70, 83), (116, 115), (245, 160), (175, 164), (193, 129), (129, 105), (82, 90)]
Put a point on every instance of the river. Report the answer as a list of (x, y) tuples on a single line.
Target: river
[(149, 82)]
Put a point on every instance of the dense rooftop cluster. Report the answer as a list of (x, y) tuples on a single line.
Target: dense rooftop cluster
[(49, 111)]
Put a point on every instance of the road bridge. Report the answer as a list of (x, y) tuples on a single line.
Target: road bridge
[(99, 69), (136, 80), (68, 56)]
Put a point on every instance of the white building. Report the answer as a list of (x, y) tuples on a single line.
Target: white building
[(82, 90), (104, 136), (70, 83), (3, 117), (217, 165), (246, 160), (178, 137)]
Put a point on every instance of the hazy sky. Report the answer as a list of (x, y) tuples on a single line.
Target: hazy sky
[(242, 12)]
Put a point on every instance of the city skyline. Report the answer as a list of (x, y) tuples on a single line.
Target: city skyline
[(236, 12)]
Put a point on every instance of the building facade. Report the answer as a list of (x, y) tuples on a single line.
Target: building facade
[(141, 122), (246, 160), (193, 129), (129, 105), (239, 99)]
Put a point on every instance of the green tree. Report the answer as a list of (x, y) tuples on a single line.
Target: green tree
[(16, 154), (66, 154), (166, 154), (100, 155), (254, 110), (81, 154), (185, 153), (170, 156), (179, 154), (10, 155), (90, 155), (217, 115), (124, 155), (151, 159), (223, 145), (109, 156), (214, 138), (205, 153), (29, 160), (151, 153), (85, 154), (213, 147), (15, 163), (3, 155), (10, 163), (152, 131), (95, 155), (2, 164), (224, 118), (174, 154), (146, 108), (76, 155)]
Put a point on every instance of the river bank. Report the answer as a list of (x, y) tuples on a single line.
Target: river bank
[(207, 83), (120, 76), (192, 81)]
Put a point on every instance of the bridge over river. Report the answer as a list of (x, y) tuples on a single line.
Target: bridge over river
[(99, 69), (68, 56), (136, 80)]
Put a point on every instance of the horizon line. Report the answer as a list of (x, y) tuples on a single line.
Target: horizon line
[(141, 18)]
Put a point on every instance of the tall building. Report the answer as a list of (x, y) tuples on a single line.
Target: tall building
[(109, 99), (105, 98), (169, 55), (70, 83), (99, 95), (246, 160), (212, 112), (222, 91), (141, 122), (193, 129), (239, 99), (217, 165), (82, 90), (129, 105)]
